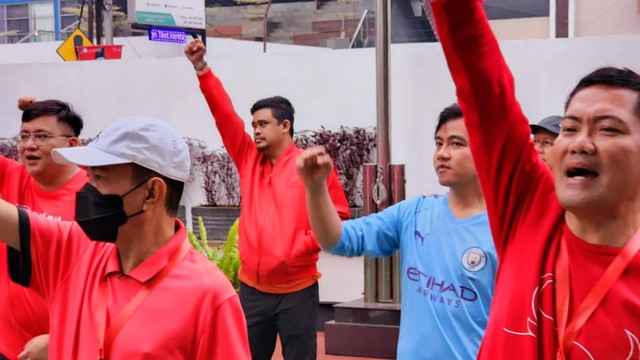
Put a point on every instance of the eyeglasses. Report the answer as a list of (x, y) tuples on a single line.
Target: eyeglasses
[(39, 138)]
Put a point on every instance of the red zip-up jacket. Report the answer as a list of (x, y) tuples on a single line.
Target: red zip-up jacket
[(276, 243)]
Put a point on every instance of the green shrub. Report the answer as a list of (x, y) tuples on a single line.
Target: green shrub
[(225, 256)]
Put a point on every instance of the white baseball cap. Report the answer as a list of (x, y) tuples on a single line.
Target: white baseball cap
[(145, 141)]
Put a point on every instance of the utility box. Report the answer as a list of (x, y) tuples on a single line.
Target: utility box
[(99, 52)]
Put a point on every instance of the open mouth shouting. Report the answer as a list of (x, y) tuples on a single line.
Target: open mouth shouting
[(579, 173)]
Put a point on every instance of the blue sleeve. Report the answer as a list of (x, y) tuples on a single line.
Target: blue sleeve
[(374, 235)]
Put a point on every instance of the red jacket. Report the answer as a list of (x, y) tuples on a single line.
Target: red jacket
[(275, 239), (526, 218)]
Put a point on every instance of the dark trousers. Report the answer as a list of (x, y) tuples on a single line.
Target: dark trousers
[(2, 357), (293, 316)]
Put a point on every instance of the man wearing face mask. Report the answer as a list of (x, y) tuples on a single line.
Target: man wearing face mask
[(44, 187), (109, 298)]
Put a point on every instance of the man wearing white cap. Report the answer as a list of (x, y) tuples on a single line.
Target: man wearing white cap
[(139, 290)]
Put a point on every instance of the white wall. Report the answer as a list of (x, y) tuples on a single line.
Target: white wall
[(329, 88)]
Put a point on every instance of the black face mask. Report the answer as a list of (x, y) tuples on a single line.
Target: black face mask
[(100, 216)]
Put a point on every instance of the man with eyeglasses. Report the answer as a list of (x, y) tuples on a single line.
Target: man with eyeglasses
[(45, 187), (544, 134)]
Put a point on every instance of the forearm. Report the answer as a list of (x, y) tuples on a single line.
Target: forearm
[(228, 123), (9, 226), (324, 219)]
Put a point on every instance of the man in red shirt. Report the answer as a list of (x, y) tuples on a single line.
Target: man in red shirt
[(139, 290), (278, 250), (45, 187), (567, 285)]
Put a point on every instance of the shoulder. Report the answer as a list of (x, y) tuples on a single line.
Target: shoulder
[(424, 202), (206, 278)]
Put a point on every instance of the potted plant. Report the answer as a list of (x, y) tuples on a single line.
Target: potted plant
[(221, 187), (224, 255), (350, 148)]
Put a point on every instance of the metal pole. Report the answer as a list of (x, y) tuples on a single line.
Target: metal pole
[(99, 25), (397, 195), (383, 40), (108, 22), (56, 18), (552, 19), (369, 207), (90, 20), (265, 28)]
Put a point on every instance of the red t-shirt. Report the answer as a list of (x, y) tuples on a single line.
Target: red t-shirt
[(276, 242), (526, 218), (24, 314), (194, 313)]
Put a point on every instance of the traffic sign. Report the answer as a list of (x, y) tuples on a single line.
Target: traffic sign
[(67, 50)]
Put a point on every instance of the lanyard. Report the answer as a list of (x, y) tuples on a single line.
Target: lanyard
[(106, 336), (568, 330)]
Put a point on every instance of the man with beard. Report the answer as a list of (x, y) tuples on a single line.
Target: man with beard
[(278, 250)]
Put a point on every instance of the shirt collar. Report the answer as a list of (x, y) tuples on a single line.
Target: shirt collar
[(156, 262)]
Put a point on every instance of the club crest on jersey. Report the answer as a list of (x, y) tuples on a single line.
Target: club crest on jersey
[(474, 259)]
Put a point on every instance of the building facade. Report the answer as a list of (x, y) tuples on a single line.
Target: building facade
[(35, 21)]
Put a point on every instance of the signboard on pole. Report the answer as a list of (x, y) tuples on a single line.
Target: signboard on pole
[(168, 35), (67, 50), (187, 14)]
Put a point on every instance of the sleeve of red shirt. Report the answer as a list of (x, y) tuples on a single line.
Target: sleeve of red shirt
[(227, 337), (231, 127), (336, 191), (509, 169), (13, 175), (55, 247)]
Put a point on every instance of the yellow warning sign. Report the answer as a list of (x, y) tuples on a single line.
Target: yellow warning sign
[(67, 50)]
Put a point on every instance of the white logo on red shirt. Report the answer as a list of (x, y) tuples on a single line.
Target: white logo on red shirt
[(532, 322), (46, 216)]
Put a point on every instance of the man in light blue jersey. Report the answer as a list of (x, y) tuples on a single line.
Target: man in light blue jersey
[(448, 259)]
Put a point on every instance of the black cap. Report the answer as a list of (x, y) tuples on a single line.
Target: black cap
[(550, 123)]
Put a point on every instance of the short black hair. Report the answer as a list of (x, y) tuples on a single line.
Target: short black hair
[(612, 77), (60, 109), (281, 109), (449, 113), (174, 187)]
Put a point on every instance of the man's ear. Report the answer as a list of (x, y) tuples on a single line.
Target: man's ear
[(286, 125), (73, 142), (156, 192)]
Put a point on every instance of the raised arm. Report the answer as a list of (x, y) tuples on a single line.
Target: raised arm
[(231, 127), (508, 167), (314, 166), (9, 226)]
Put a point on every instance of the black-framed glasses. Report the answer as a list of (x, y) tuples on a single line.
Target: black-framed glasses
[(38, 138)]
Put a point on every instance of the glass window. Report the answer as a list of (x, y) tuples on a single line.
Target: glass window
[(21, 25), (69, 3), (14, 39), (17, 11), (67, 20), (3, 24)]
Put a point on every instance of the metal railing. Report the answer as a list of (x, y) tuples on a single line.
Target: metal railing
[(363, 30)]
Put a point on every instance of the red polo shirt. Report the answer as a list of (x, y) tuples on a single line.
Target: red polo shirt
[(23, 313), (194, 313), (278, 249)]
